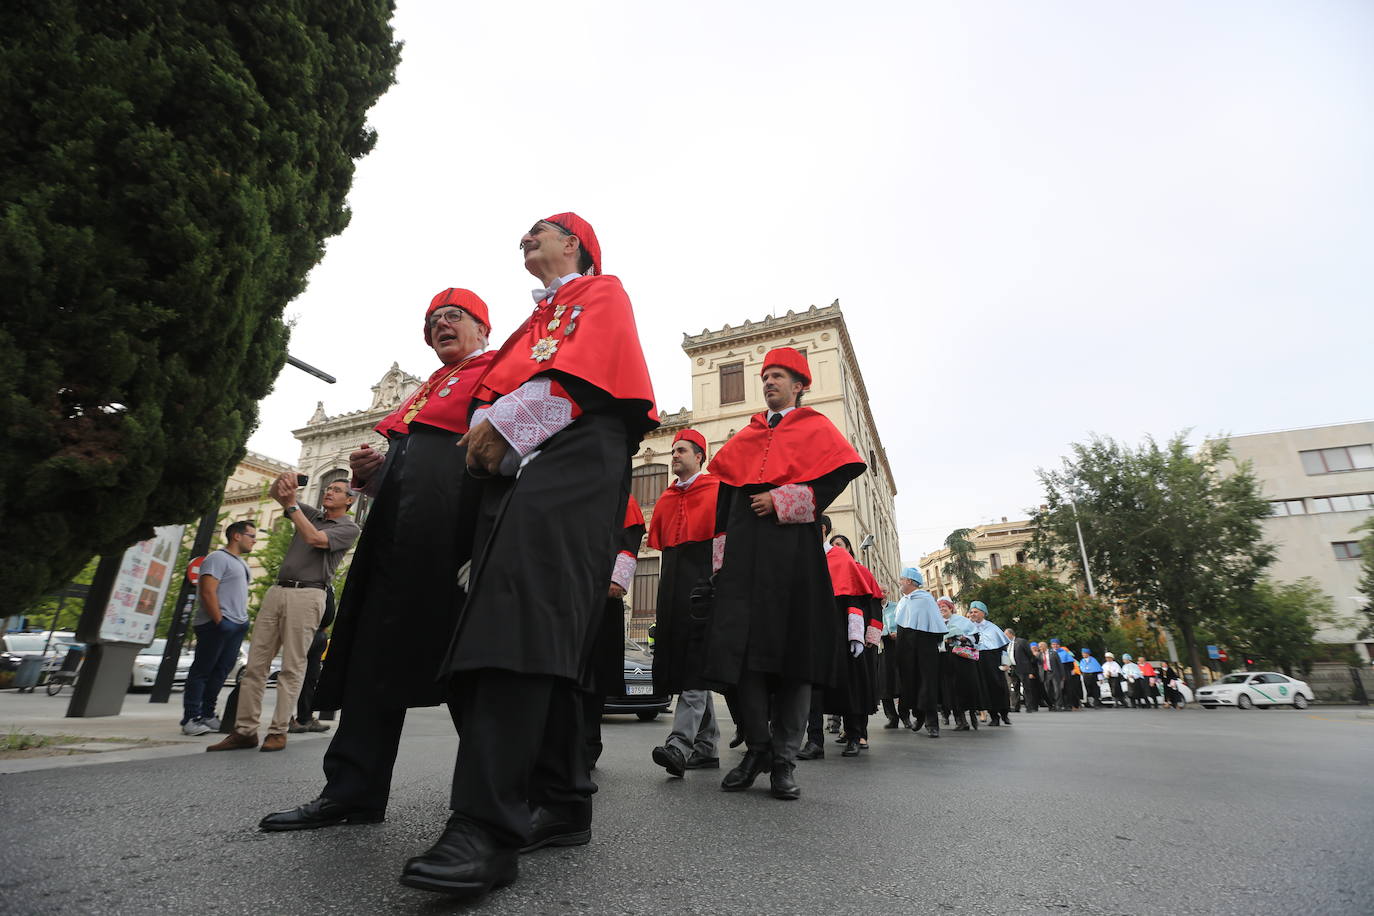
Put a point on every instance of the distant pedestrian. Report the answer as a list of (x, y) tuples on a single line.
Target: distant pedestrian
[(1027, 669), (1135, 685), (1058, 677), (1111, 669), (291, 610), (920, 631), (220, 623), (1171, 683), (1151, 679), (991, 641), (960, 683)]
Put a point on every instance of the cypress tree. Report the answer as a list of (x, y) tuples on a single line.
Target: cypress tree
[(169, 172)]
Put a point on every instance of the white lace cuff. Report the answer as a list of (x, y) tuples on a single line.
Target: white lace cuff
[(794, 503), (856, 626), (529, 416), (717, 552), (623, 572)]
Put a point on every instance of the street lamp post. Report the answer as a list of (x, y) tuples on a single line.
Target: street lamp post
[(1082, 550)]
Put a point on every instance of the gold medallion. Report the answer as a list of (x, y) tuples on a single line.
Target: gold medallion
[(543, 350)]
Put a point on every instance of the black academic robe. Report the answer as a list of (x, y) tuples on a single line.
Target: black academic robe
[(608, 655), (774, 606), (398, 608), (855, 693), (681, 632)]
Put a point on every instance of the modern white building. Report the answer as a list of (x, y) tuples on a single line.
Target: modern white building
[(1320, 480)]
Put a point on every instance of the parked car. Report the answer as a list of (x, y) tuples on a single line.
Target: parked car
[(1245, 689), (1104, 689), (638, 695), (236, 675), (149, 661), (26, 644)]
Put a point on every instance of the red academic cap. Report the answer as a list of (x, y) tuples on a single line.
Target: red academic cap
[(464, 299), (691, 435), (790, 360), (583, 230)]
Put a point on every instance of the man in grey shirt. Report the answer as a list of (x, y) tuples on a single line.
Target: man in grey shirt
[(291, 610), (220, 622)]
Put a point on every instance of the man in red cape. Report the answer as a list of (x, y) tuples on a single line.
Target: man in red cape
[(772, 632), (397, 610), (683, 527), (561, 410)]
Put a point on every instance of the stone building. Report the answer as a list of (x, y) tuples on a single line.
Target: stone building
[(727, 391), (995, 545), (245, 499), (1320, 481)]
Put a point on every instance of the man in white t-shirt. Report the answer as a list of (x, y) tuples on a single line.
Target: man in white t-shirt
[(220, 624)]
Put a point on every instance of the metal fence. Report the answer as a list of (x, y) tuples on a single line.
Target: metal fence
[(1337, 683)]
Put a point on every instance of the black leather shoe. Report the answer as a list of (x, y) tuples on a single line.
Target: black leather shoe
[(743, 776), (812, 751), (933, 729), (671, 759), (783, 786), (850, 750), (993, 721), (465, 863), (559, 828), (1006, 720), (699, 761), (905, 720), (322, 812), (891, 722), (917, 724), (737, 740)]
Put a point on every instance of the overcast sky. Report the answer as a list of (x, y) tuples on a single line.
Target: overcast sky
[(1042, 221)]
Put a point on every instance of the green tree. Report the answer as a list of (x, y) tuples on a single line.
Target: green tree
[(1276, 622), (1039, 606), (270, 552), (168, 173), (1171, 533), (963, 564), (1366, 583)]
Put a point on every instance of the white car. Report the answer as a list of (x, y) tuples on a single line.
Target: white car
[(1245, 689), (1104, 691), (150, 659)]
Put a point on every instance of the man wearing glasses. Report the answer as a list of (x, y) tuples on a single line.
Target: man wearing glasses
[(291, 610)]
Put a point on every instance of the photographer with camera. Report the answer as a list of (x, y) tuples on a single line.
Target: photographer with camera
[(292, 609)]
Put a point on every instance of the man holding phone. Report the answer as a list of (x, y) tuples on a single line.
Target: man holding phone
[(291, 610)]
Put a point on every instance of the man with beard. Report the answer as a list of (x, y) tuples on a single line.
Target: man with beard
[(991, 641), (772, 633), (564, 405), (682, 527), (398, 606)]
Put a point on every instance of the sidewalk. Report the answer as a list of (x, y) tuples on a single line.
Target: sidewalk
[(138, 723)]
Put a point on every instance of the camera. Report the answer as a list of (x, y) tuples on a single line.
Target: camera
[(302, 480)]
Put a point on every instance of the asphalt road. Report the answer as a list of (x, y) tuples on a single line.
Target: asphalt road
[(1102, 812)]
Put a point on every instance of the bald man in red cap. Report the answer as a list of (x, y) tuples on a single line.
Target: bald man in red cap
[(562, 408), (772, 632), (682, 527), (399, 606)]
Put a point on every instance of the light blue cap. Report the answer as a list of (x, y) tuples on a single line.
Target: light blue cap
[(979, 605), (914, 575)]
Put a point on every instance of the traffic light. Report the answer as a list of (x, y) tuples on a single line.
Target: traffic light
[(1249, 663)]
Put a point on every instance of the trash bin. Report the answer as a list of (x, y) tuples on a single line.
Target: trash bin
[(26, 678)]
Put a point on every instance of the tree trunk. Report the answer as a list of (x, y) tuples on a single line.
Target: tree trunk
[(1185, 627)]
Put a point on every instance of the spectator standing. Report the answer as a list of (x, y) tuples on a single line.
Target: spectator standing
[(291, 610), (220, 622)]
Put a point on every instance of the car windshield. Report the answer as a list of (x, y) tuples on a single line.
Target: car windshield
[(1235, 679)]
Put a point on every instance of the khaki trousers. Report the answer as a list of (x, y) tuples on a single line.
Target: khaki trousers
[(287, 622)]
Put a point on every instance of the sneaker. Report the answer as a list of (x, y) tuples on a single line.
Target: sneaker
[(213, 722), (315, 725), (295, 727), (195, 727)]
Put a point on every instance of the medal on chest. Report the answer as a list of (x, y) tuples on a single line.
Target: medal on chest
[(544, 348)]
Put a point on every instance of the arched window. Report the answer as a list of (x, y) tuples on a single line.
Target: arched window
[(647, 483)]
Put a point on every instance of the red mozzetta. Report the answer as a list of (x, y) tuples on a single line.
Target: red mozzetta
[(441, 404), (804, 446), (683, 516)]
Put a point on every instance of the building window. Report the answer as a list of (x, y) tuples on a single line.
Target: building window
[(645, 590), (1347, 550), (732, 383), (994, 561), (647, 483), (1349, 503), (1335, 460), (1287, 507), (1020, 558)]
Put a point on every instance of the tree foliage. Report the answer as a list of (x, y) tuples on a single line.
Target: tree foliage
[(1038, 606), (963, 563), (168, 173), (1171, 533), (1366, 583), (1275, 623)]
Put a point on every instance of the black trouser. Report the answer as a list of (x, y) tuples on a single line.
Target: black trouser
[(304, 711), (815, 718), (502, 771), (1030, 687), (918, 655), (994, 680), (855, 726), (890, 708), (593, 703), (1118, 695), (1091, 697), (1016, 699), (362, 753)]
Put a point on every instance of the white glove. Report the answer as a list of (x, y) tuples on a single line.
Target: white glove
[(856, 647)]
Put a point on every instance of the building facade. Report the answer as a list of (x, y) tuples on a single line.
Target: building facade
[(995, 546), (1320, 483), (727, 392)]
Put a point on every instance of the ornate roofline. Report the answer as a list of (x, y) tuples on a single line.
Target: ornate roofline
[(768, 327)]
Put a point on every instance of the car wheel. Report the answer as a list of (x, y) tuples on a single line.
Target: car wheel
[(647, 716), (1299, 701), (1243, 702)]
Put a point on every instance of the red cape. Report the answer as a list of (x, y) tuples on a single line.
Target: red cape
[(804, 446), (845, 578), (634, 516), (683, 516), (450, 412), (598, 344), (870, 581)]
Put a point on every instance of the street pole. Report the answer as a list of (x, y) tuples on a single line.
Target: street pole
[(182, 611), (1082, 550)]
